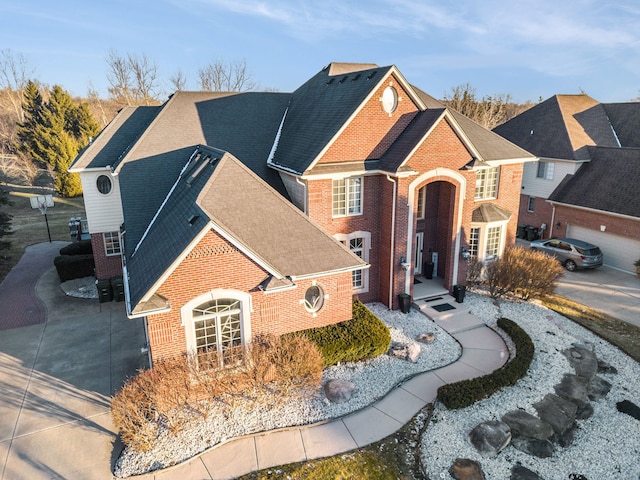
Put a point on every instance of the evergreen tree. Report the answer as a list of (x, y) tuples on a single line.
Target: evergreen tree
[(55, 133), (5, 220), (32, 107)]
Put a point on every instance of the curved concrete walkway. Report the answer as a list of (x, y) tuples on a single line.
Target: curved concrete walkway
[(483, 351)]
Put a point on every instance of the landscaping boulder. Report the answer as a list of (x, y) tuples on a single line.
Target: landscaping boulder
[(426, 337), (584, 412), (598, 388), (465, 469), (490, 437), (533, 446), (565, 438), (518, 472), (606, 368), (574, 389), (556, 411), (339, 391), (583, 360), (405, 351), (524, 424), (630, 408)]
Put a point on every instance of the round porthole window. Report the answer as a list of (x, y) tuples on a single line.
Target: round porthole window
[(313, 298), (389, 99), (104, 184)]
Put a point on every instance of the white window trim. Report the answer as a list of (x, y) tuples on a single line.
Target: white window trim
[(482, 239), (484, 189), (345, 238), (104, 242), (547, 173), (529, 209), (245, 315), (347, 180)]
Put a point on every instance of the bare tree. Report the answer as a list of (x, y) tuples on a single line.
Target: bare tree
[(490, 111), (178, 81), (133, 79), (221, 77), (14, 74)]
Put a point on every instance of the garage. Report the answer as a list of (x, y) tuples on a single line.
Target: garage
[(619, 252)]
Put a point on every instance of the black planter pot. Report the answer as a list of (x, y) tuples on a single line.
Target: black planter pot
[(459, 292), (427, 270), (405, 302)]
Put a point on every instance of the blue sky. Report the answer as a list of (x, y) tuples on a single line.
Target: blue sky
[(529, 49)]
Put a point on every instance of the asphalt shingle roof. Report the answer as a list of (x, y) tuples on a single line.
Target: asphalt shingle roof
[(609, 182), (562, 127), (263, 222), (625, 120)]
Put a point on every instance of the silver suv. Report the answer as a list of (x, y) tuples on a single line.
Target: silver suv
[(572, 253)]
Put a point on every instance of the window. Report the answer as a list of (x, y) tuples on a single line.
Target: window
[(545, 170), (474, 240), (486, 183), (389, 99), (494, 235), (532, 204), (359, 243), (420, 202), (218, 333), (103, 183), (347, 197), (111, 243), (313, 298)]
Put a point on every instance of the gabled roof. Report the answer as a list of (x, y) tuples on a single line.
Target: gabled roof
[(490, 212), (561, 127), (115, 139), (244, 125), (216, 191), (320, 108), (609, 182), (625, 120)]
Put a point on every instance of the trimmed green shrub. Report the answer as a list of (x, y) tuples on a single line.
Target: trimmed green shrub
[(364, 336), (466, 392), (83, 247), (74, 266)]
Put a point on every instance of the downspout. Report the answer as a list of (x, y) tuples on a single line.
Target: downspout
[(553, 219), (393, 236)]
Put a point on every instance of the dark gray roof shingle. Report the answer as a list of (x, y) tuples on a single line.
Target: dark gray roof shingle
[(625, 120), (609, 182)]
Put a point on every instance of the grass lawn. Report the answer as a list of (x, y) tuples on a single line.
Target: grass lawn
[(29, 224)]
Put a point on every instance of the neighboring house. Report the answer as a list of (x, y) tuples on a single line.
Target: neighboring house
[(239, 214), (562, 132)]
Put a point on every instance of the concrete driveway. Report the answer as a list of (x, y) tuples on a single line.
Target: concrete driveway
[(56, 379), (611, 291)]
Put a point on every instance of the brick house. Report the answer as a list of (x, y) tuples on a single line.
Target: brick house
[(236, 214), (585, 181)]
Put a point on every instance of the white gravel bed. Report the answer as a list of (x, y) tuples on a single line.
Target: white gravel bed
[(606, 446), (373, 379)]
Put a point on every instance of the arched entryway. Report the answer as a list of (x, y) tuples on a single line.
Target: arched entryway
[(435, 206)]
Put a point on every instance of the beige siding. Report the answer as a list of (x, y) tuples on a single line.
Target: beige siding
[(541, 187), (104, 212), (617, 251)]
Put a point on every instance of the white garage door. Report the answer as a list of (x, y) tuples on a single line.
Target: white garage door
[(619, 252)]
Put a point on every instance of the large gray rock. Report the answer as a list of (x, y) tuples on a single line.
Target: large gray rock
[(426, 337), (490, 437), (405, 351), (518, 472), (533, 446), (565, 438), (465, 469), (574, 389), (524, 424), (556, 411), (339, 391), (598, 388), (607, 368), (583, 360)]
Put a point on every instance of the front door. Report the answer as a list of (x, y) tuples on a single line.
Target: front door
[(417, 266)]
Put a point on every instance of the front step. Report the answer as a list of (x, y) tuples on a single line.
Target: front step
[(440, 307)]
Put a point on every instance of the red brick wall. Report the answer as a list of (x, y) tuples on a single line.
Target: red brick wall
[(543, 213), (593, 220), (106, 266), (215, 263), (371, 133)]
